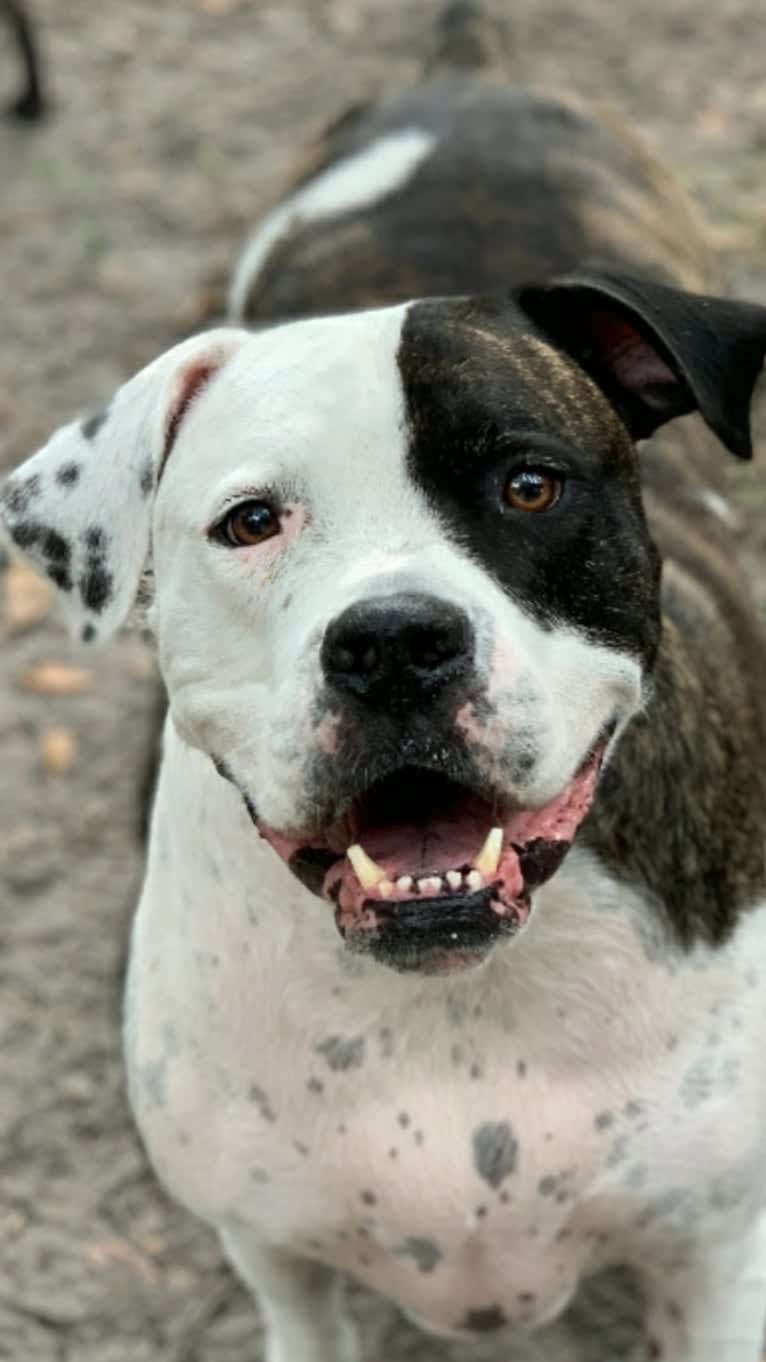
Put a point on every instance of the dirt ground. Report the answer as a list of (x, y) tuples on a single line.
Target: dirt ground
[(172, 124)]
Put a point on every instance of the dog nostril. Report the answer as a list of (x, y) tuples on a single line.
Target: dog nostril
[(343, 659), (431, 648), (362, 659), (429, 652)]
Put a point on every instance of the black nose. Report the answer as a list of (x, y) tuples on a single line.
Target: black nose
[(397, 650)]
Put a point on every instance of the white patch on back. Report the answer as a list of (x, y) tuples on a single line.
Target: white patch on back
[(356, 182)]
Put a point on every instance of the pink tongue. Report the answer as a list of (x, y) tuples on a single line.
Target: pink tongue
[(444, 843), (453, 840)]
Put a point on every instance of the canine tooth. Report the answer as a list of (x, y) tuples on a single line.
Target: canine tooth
[(367, 871), (489, 856), (473, 881), (385, 889), (404, 883), (454, 879)]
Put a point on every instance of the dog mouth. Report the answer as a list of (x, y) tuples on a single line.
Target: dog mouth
[(426, 873)]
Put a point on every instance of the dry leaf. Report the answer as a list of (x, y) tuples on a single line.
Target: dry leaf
[(56, 678), (26, 597), (713, 123), (105, 1252), (59, 747)]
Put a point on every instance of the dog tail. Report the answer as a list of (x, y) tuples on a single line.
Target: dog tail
[(469, 39)]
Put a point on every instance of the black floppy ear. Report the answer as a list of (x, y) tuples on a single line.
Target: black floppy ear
[(657, 352)]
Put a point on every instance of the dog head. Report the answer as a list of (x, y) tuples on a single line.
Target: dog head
[(406, 598)]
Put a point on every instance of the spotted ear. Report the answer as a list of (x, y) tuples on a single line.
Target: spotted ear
[(658, 352), (81, 508)]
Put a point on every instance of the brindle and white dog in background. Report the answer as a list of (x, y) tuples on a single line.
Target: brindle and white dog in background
[(480, 1014)]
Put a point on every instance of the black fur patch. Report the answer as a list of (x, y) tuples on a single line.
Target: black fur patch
[(58, 552), (26, 533), (659, 352), (18, 494), (146, 478), (96, 583), (60, 575), (68, 474), (484, 400), (54, 551), (92, 424), (55, 547), (486, 1321)]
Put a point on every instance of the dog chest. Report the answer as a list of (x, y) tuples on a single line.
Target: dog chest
[(450, 1162)]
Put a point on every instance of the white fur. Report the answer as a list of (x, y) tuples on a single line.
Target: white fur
[(238, 980), (357, 182), (592, 999), (312, 414)]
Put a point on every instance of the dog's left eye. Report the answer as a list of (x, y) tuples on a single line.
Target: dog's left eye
[(532, 489), (250, 523)]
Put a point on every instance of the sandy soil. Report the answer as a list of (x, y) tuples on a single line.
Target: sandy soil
[(173, 122)]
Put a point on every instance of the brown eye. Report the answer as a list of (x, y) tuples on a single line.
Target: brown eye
[(531, 490), (248, 524)]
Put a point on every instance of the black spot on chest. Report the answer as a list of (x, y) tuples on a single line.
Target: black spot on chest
[(495, 1152), (343, 1052), (146, 478), (485, 1321), (261, 1102), (425, 1253)]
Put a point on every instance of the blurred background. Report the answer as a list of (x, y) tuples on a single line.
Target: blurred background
[(171, 125)]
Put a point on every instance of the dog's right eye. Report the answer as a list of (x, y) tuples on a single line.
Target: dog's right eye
[(248, 524)]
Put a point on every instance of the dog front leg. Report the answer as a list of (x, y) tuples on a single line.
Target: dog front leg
[(714, 1312), (301, 1302)]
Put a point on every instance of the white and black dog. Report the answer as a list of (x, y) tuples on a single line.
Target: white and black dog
[(481, 1013)]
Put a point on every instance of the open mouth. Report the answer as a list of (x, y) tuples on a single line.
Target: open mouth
[(425, 873)]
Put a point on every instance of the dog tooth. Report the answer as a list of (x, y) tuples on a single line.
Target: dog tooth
[(367, 871), (474, 881), (385, 889), (488, 858), (430, 885), (404, 883), (454, 879)]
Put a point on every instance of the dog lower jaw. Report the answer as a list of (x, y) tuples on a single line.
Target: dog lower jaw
[(440, 921), (446, 935)]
